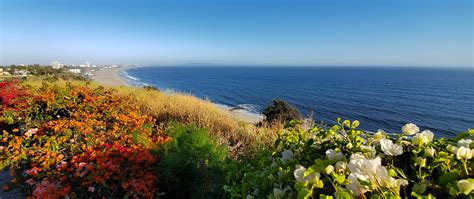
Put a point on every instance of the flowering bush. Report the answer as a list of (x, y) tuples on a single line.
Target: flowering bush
[(13, 102), (345, 162), (80, 142)]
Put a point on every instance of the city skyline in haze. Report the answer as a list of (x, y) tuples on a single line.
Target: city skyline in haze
[(238, 32)]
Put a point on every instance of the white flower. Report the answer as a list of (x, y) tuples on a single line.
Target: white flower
[(370, 171), (424, 137), (389, 148), (410, 129), (287, 156), (356, 188), (466, 186), (379, 135), (464, 142), (299, 175), (464, 153), (398, 183), (333, 155), (363, 168), (430, 152), (249, 197), (341, 166), (278, 193), (329, 169)]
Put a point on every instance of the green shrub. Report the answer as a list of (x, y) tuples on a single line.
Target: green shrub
[(192, 165), (280, 111)]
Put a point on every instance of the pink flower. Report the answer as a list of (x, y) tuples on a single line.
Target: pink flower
[(82, 164), (33, 171), (30, 182), (91, 189), (31, 132)]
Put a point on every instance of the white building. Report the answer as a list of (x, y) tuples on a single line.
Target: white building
[(56, 65), (21, 73), (88, 64), (75, 70)]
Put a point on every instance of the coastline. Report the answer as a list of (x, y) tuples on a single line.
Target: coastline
[(111, 77)]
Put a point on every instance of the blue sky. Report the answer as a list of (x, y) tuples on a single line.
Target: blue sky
[(239, 32)]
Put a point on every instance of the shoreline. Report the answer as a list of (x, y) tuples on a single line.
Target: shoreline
[(111, 77)]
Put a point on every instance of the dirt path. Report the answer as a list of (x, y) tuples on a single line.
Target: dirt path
[(12, 194)]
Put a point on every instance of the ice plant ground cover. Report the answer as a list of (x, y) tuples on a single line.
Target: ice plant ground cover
[(343, 162)]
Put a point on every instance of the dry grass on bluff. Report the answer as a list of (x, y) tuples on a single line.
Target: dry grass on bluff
[(240, 137)]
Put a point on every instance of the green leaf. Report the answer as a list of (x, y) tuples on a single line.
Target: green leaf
[(340, 179), (448, 177), (347, 123), (304, 193), (312, 169), (463, 135), (323, 196), (355, 124), (344, 195), (318, 184)]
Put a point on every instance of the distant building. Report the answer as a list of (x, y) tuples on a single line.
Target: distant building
[(56, 65), (1, 70), (82, 65), (22, 73), (75, 70), (88, 64)]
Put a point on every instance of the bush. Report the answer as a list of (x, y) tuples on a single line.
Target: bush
[(192, 165), (280, 111), (79, 142), (150, 88), (345, 162)]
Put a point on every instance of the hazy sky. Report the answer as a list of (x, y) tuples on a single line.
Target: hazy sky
[(238, 32)]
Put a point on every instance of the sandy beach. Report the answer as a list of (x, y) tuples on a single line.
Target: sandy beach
[(110, 77)]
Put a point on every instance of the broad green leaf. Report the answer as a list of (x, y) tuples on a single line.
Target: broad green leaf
[(344, 195), (304, 193), (340, 179), (323, 196), (448, 177)]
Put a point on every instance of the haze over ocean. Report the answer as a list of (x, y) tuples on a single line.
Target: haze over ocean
[(439, 99)]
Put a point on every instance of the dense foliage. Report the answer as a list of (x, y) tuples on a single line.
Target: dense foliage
[(345, 162), (280, 111), (86, 141), (193, 166), (46, 72), (77, 142)]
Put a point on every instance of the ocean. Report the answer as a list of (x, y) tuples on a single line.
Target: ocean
[(438, 99)]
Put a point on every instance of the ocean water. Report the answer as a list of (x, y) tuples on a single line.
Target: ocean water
[(441, 100)]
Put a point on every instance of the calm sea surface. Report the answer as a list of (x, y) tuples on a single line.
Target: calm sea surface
[(441, 100)]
